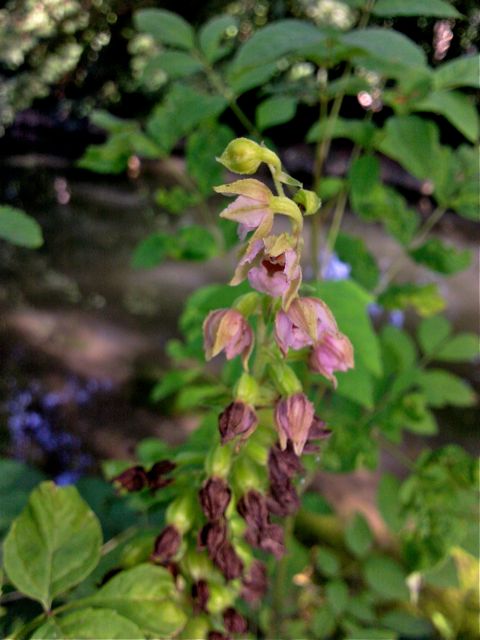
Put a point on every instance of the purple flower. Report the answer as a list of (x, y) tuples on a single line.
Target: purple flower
[(227, 330), (333, 352), (318, 431), (213, 536), (306, 320), (260, 533), (234, 622), (255, 582), (282, 499), (293, 419), (132, 479), (237, 420), (200, 595)]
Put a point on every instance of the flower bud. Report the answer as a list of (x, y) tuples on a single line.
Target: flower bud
[(308, 200), (287, 207), (293, 419), (285, 379), (219, 461), (248, 304), (247, 390), (200, 594), (333, 352), (181, 512), (166, 545), (220, 598), (197, 628), (227, 330), (237, 420), (214, 498), (234, 622), (244, 156), (245, 474)]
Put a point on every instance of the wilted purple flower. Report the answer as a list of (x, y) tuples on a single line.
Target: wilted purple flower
[(156, 475), (260, 533), (282, 499), (283, 462), (306, 320), (237, 420), (200, 595), (227, 330), (255, 582), (132, 479), (213, 536), (217, 635), (293, 418), (234, 622), (318, 431), (333, 352), (214, 498), (166, 545)]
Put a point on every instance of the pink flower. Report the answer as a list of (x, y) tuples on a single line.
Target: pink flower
[(272, 267), (252, 207), (301, 326), (227, 330), (333, 352), (293, 419)]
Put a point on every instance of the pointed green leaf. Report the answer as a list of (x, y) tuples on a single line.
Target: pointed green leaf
[(458, 108), (433, 8), (388, 500), (358, 535), (460, 348), (165, 27), (19, 228), (425, 299), (386, 577), (53, 544), (146, 596), (213, 33), (442, 388), (441, 257), (89, 624), (459, 72), (432, 332), (274, 111), (386, 45)]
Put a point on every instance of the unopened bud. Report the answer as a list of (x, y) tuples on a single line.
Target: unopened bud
[(247, 304), (238, 420), (284, 379), (196, 628), (308, 200), (181, 512), (244, 156), (214, 496), (247, 389), (220, 598), (166, 545), (280, 204), (219, 461), (245, 475)]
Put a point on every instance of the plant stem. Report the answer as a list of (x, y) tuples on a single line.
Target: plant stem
[(335, 227), (279, 586), (421, 236)]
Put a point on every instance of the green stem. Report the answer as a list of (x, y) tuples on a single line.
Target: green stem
[(335, 227), (421, 236), (279, 586)]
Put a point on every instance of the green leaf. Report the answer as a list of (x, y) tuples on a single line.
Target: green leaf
[(360, 607), (363, 178), (413, 142), (441, 257), (175, 200), (323, 623), (16, 482), (165, 27), (386, 46), (398, 350), (171, 382), (406, 624), (432, 332), (327, 562), (371, 633), (386, 577), (203, 147), (337, 596), (357, 385), (195, 243), (19, 228), (275, 41), (176, 64), (463, 178), (197, 396), (427, 8), (151, 450), (359, 131), (246, 79), (53, 545), (425, 299), (152, 251), (459, 72), (213, 33), (358, 536), (353, 251), (182, 110), (144, 595), (458, 108), (274, 111), (460, 348), (388, 500), (442, 388), (89, 624)]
